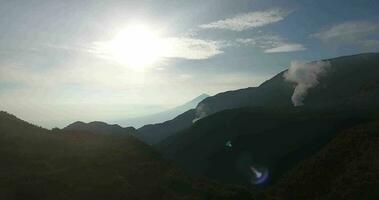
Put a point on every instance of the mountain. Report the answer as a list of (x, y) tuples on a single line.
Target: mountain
[(346, 168), (100, 127), (346, 80), (269, 131), (350, 80), (163, 116), (37, 163)]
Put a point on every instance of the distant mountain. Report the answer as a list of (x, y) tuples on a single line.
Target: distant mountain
[(350, 80), (162, 116), (100, 127), (37, 163), (346, 168)]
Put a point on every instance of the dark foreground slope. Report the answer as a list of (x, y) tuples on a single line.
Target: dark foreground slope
[(346, 168), (40, 164), (274, 138)]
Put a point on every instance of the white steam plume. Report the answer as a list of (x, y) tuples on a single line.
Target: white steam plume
[(200, 112), (306, 76)]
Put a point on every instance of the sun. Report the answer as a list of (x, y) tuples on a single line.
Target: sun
[(136, 46)]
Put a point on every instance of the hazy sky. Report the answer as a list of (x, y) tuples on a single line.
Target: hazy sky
[(62, 61)]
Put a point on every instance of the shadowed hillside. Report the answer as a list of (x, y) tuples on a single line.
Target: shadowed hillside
[(275, 138), (40, 164), (346, 168), (154, 133)]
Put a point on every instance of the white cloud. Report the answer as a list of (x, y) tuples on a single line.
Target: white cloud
[(347, 33), (249, 20), (272, 44), (286, 48), (193, 49)]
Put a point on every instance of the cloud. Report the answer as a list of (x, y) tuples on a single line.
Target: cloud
[(193, 49), (249, 20), (286, 48), (350, 33), (369, 44), (272, 44), (306, 76), (200, 112)]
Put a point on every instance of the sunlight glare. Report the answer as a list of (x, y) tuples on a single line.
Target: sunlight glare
[(137, 47)]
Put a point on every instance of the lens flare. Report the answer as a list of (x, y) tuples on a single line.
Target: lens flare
[(259, 175)]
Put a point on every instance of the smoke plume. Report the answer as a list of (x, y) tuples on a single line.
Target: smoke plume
[(306, 76), (201, 112)]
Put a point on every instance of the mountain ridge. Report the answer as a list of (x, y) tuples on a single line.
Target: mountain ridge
[(277, 92), (100, 127)]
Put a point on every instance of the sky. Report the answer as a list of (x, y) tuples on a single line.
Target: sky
[(64, 61)]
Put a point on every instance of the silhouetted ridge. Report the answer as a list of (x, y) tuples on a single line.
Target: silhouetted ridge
[(100, 127), (69, 164)]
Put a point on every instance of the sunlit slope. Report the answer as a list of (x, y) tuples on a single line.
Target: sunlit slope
[(40, 164)]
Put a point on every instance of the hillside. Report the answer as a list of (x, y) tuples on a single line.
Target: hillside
[(155, 133), (346, 168), (349, 81), (347, 77), (276, 138), (40, 164)]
